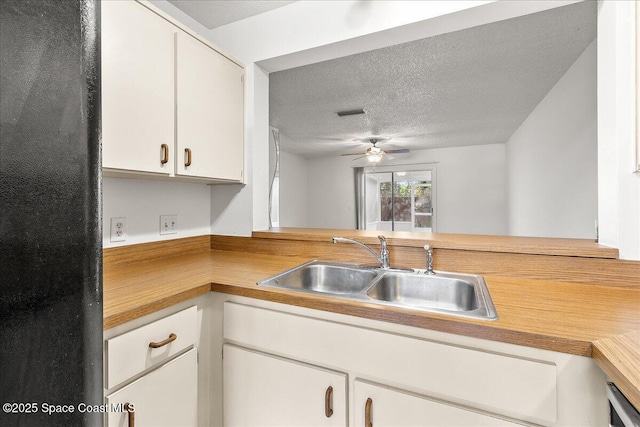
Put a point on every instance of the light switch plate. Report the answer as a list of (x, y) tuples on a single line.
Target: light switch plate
[(168, 224)]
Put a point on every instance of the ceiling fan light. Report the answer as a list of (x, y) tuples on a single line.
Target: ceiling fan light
[(374, 158)]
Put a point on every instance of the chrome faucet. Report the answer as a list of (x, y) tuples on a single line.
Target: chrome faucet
[(384, 251), (429, 260)]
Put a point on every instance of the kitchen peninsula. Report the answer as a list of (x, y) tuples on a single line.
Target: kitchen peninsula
[(566, 296)]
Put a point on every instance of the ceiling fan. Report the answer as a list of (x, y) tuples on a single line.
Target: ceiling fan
[(375, 154)]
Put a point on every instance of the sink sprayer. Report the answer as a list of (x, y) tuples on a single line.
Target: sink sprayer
[(429, 260)]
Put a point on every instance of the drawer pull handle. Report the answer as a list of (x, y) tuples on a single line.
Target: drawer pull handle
[(328, 398), (164, 157), (132, 415), (187, 162), (171, 338), (367, 413)]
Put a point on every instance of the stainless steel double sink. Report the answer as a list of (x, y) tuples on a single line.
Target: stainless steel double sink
[(456, 294)]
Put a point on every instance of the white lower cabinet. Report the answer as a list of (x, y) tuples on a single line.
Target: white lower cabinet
[(379, 406), (166, 396), (412, 377), (263, 390)]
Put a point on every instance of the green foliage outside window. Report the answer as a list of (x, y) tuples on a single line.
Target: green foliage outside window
[(400, 195)]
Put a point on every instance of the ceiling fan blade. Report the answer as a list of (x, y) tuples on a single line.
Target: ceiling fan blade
[(321, 138), (402, 150), (353, 154), (364, 155)]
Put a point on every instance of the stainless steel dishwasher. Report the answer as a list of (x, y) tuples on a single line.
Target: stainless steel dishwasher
[(623, 414)]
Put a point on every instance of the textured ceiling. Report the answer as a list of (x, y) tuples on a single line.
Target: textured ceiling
[(215, 13), (474, 86)]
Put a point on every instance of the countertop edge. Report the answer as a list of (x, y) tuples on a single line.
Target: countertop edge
[(125, 316), (619, 358)]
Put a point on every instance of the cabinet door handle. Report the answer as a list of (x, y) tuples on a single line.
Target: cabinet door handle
[(187, 155), (171, 338), (367, 413), (164, 156), (132, 415), (328, 399)]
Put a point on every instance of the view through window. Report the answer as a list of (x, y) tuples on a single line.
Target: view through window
[(399, 200)]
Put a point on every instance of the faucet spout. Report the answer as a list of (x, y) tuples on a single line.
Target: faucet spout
[(383, 258)]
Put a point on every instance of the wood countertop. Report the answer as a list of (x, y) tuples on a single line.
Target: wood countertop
[(587, 320)]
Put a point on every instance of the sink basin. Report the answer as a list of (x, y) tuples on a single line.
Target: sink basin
[(424, 291), (464, 295), (323, 277), (455, 293)]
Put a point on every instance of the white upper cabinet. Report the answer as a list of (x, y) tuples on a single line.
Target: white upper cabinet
[(210, 112), (137, 89), (172, 105)]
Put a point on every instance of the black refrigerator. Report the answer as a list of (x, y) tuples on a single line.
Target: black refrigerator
[(50, 214)]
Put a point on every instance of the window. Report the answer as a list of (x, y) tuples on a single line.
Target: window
[(398, 199)]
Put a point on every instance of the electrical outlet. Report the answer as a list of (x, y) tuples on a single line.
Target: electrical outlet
[(118, 229), (168, 224)]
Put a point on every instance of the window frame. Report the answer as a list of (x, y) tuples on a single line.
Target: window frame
[(419, 167)]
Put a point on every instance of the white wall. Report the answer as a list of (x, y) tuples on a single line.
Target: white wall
[(332, 194), (552, 159), (294, 190), (237, 210), (143, 201), (306, 25), (618, 186), (372, 203), (471, 189)]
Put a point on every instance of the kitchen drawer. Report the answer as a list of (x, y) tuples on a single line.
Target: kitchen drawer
[(130, 353)]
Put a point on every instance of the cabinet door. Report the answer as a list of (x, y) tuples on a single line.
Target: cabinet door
[(389, 407), (210, 112), (262, 390), (137, 88), (167, 396)]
